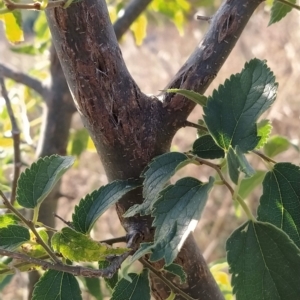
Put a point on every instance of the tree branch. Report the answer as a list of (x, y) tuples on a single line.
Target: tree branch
[(15, 131), (22, 78), (131, 13)]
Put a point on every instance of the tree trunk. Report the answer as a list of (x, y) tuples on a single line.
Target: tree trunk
[(128, 127)]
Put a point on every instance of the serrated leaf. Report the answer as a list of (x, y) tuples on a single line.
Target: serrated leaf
[(177, 212), (264, 129), (139, 29), (177, 270), (191, 95), (94, 205), (158, 173), (8, 219), (13, 26), (276, 145), (201, 132), (232, 111), (110, 282), (237, 163), (57, 285), (279, 10), (76, 246), (264, 262), (247, 185), (206, 147), (139, 287), (280, 201), (12, 236), (36, 182)]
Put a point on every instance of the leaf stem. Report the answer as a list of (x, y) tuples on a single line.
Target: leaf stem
[(289, 4), (245, 207), (194, 125), (168, 283), (264, 157), (31, 226)]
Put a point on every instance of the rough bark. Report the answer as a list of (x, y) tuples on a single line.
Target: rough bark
[(127, 127)]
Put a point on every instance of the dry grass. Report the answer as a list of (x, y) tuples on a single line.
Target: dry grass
[(152, 66)]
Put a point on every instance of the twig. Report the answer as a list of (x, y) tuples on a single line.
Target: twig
[(15, 132), (288, 3), (131, 13), (194, 125), (168, 283), (203, 18), (264, 157), (75, 270), (31, 226), (69, 224), (22, 78), (120, 239), (10, 5)]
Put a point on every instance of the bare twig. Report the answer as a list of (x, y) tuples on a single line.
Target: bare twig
[(174, 288), (204, 18), (194, 125), (264, 157), (131, 13), (69, 224), (15, 132), (121, 239), (31, 226), (22, 78), (11, 5), (75, 270)]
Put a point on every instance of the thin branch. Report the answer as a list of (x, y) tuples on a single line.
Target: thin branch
[(69, 224), (264, 157), (10, 5), (174, 288), (194, 125), (15, 132), (31, 226), (288, 3), (22, 78), (131, 13), (75, 270), (204, 18), (121, 239)]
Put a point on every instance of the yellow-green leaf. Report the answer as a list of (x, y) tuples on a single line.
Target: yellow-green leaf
[(139, 29), (13, 26)]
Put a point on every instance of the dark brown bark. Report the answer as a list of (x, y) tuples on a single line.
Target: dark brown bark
[(127, 127)]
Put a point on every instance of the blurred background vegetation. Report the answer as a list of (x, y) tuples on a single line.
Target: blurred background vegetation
[(154, 48)]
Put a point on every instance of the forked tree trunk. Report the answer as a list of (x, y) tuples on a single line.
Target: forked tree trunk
[(129, 128)]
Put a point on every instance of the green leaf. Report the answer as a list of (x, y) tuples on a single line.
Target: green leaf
[(57, 285), (280, 201), (276, 145), (232, 111), (264, 262), (176, 213), (36, 183), (144, 249), (201, 132), (13, 26), (79, 247), (195, 97), (32, 248), (237, 163), (110, 282), (177, 270), (279, 10), (8, 219), (13, 236), (94, 205), (31, 49), (137, 289), (139, 29), (206, 147), (247, 185), (93, 287), (79, 142), (158, 173), (5, 281), (264, 129)]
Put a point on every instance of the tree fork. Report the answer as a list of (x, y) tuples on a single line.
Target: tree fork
[(128, 127)]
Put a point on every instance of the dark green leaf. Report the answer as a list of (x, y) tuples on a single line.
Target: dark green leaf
[(93, 287), (12, 236), (158, 173), (280, 201), (110, 282), (94, 205), (264, 262), (276, 145), (36, 183), (136, 290), (264, 129), (232, 111), (144, 249), (279, 10), (176, 213), (195, 97), (206, 147), (201, 132), (247, 185), (76, 246), (176, 270), (5, 281), (57, 285)]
